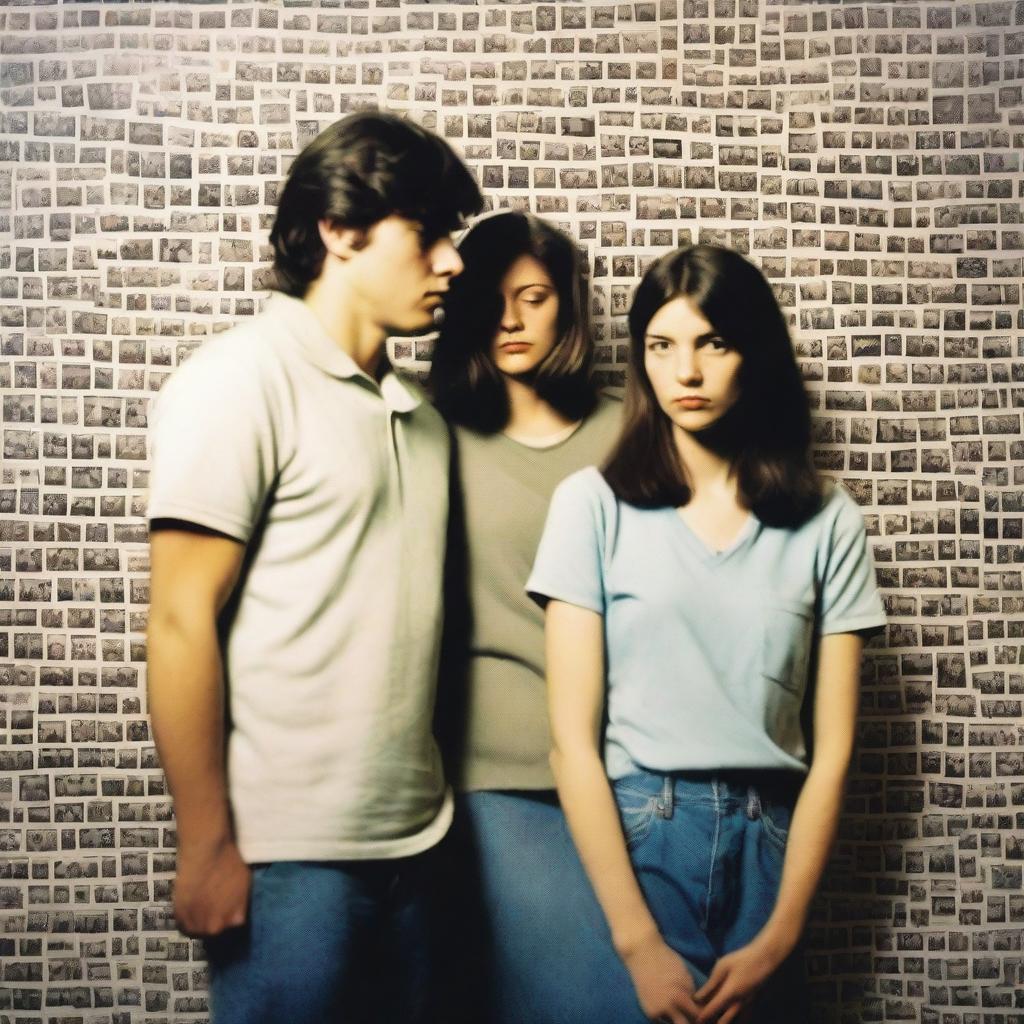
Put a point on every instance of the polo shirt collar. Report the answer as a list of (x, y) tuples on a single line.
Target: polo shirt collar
[(301, 322)]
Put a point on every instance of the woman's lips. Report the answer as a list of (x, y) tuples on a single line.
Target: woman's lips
[(690, 402), (514, 346)]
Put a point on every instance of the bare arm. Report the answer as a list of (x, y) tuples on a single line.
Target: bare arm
[(192, 576), (737, 977), (576, 695)]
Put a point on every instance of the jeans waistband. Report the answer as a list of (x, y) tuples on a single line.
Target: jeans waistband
[(746, 789)]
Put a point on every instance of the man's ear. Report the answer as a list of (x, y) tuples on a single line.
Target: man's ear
[(341, 241)]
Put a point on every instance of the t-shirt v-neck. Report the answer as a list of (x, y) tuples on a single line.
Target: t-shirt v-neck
[(745, 535)]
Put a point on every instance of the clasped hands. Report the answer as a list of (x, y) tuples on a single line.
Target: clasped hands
[(667, 992)]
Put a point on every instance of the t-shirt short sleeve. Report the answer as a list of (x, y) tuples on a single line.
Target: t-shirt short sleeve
[(569, 562), (849, 594), (211, 446)]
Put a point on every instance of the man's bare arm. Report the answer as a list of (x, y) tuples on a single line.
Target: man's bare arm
[(192, 575)]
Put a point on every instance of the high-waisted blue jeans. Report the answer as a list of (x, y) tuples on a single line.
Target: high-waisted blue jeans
[(531, 944), (707, 851)]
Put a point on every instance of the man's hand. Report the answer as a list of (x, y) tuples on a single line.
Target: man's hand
[(735, 981), (663, 984), (211, 891)]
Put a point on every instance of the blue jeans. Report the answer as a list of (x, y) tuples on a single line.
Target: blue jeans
[(331, 941), (532, 945), (708, 851)]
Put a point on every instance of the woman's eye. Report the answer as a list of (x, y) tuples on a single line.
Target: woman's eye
[(657, 346), (717, 344)]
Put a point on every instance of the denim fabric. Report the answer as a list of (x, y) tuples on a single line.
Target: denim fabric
[(532, 946), (708, 852), (332, 942)]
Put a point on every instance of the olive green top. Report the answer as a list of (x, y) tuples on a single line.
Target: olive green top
[(497, 685)]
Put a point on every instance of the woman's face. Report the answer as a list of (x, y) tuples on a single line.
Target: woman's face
[(693, 372), (528, 328)]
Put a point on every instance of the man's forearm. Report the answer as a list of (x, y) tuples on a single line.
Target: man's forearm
[(186, 705)]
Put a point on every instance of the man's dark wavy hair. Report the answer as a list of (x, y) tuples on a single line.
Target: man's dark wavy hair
[(355, 173), (467, 387), (767, 432)]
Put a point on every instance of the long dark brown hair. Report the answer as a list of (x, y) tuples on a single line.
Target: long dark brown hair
[(766, 434), (466, 385)]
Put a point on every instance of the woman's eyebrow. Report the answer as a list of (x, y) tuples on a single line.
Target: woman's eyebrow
[(538, 284)]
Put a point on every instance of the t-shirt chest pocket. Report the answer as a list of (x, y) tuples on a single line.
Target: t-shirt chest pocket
[(788, 627)]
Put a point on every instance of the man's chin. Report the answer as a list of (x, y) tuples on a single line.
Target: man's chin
[(415, 324)]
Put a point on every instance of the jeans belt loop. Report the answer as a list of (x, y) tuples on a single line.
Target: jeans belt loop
[(667, 798), (753, 804)]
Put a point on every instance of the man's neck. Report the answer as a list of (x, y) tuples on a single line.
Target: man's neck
[(346, 323)]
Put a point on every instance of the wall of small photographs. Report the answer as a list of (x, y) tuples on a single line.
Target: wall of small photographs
[(866, 156)]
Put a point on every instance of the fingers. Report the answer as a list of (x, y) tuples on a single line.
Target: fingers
[(688, 1005), (721, 1000), (204, 926), (675, 1016), (213, 905), (724, 1007), (732, 1014), (718, 975)]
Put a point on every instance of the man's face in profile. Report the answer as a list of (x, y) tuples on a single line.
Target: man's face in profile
[(401, 274)]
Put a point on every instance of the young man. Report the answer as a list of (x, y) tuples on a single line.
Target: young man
[(298, 506)]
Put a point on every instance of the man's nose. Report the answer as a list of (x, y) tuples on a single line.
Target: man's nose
[(445, 260)]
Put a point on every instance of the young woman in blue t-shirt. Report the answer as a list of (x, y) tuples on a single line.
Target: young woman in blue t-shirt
[(694, 589)]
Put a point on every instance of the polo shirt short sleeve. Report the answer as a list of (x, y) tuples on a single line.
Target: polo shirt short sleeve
[(212, 444)]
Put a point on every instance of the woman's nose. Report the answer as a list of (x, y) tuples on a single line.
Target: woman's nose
[(510, 318), (687, 369)]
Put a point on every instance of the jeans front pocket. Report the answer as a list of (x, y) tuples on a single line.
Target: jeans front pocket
[(777, 833), (636, 812), (786, 642)]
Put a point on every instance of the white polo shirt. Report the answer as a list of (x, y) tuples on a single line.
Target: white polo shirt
[(272, 435)]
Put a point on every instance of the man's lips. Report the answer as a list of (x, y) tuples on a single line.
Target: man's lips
[(514, 346)]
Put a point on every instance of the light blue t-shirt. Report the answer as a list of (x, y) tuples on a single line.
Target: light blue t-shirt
[(708, 654)]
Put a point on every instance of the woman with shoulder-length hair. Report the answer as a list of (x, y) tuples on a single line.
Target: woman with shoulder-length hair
[(513, 372), (696, 590)]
